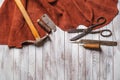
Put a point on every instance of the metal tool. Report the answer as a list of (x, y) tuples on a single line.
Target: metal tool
[(101, 42), (46, 24), (46, 21), (30, 24), (99, 22), (92, 32)]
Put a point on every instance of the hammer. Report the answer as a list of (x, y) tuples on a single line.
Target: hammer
[(29, 22)]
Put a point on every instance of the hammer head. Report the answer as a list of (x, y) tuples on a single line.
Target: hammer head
[(37, 42), (40, 41), (46, 23)]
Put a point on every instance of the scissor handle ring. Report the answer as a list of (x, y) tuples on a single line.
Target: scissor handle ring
[(106, 30)]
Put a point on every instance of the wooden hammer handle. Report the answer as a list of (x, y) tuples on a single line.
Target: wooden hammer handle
[(27, 19), (92, 46)]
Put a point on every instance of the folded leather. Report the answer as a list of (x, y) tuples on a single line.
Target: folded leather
[(67, 14)]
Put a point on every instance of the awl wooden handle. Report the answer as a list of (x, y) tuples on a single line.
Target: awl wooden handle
[(101, 42), (27, 19), (92, 46)]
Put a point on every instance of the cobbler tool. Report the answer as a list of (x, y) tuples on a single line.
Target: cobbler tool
[(101, 42), (28, 20), (94, 44), (45, 22), (99, 22), (93, 32)]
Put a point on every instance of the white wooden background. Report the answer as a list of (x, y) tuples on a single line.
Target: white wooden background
[(59, 59)]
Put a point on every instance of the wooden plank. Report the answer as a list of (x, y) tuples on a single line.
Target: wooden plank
[(116, 26), (39, 71), (81, 61), (32, 61), (53, 57), (96, 60), (85, 60), (82, 64), (103, 60), (110, 57), (75, 58), (46, 62), (106, 58), (68, 57), (25, 63), (88, 60), (2, 76), (17, 64), (96, 66), (59, 51), (1, 61), (7, 63), (57, 55)]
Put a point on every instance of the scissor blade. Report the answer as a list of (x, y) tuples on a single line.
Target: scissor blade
[(75, 30), (84, 33), (78, 36)]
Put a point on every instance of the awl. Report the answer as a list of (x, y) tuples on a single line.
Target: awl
[(101, 42)]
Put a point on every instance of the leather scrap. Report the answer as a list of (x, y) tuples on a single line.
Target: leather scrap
[(67, 14)]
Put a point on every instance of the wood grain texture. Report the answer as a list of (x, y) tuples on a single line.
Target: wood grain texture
[(59, 53), (59, 59), (39, 65), (8, 64), (68, 57), (81, 64), (32, 63), (53, 57), (81, 61), (75, 58), (46, 61), (2, 76), (95, 61), (116, 24), (88, 71), (103, 60), (24, 63), (110, 64), (17, 64)]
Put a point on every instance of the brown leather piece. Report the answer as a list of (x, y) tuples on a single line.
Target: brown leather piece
[(66, 14), (14, 29)]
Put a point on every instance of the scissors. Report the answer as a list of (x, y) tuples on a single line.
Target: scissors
[(100, 21)]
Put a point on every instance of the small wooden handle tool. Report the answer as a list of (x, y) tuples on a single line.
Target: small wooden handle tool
[(27, 19), (101, 42)]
